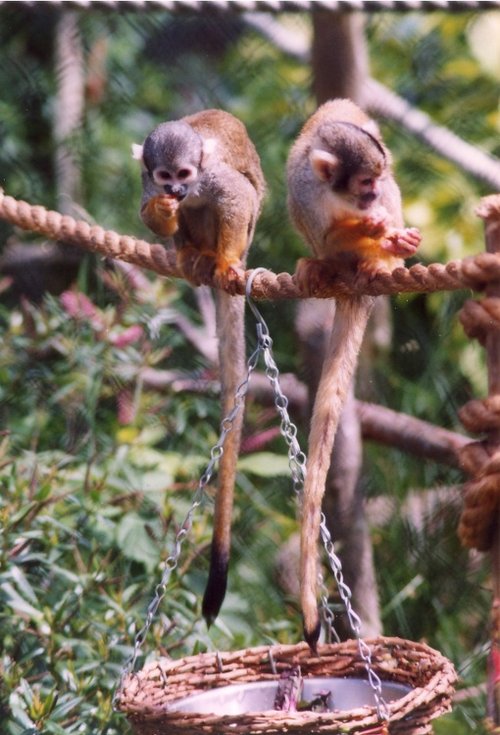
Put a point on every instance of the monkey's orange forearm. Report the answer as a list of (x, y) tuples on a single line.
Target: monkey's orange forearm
[(371, 243), (354, 234), (160, 215)]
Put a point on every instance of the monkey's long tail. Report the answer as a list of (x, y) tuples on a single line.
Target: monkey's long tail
[(231, 334), (351, 317)]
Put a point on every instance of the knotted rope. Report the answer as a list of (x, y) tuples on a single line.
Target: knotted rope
[(481, 494), (481, 460), (474, 272)]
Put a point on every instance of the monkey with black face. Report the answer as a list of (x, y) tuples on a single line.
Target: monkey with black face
[(343, 199), (203, 186)]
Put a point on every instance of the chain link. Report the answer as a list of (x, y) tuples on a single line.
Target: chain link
[(327, 612), (296, 458), (297, 462), (354, 621), (200, 496)]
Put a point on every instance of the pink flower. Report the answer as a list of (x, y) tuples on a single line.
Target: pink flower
[(127, 337), (79, 306)]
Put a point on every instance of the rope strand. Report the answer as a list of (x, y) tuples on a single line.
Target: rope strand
[(290, 6), (473, 272)]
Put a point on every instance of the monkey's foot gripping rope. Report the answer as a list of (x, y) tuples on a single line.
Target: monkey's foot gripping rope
[(474, 272)]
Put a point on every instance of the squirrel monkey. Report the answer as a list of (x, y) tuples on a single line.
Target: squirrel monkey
[(344, 201), (203, 186)]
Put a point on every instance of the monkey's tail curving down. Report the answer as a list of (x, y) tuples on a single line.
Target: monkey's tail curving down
[(351, 317), (232, 368)]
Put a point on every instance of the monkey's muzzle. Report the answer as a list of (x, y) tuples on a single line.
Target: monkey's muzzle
[(179, 191), (367, 199)]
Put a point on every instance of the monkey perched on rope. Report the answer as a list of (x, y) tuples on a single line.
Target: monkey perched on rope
[(344, 201), (203, 186)]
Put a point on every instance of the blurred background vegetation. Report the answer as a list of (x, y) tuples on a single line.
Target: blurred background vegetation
[(106, 425)]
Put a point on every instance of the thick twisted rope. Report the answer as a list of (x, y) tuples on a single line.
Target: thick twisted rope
[(474, 272), (289, 6), (481, 460), (481, 495), (479, 318)]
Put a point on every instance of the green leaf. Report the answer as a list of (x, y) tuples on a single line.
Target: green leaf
[(63, 709), (265, 464), (20, 605), (135, 542), (18, 712), (23, 585)]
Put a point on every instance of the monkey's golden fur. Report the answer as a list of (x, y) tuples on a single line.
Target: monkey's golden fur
[(344, 201), (212, 228)]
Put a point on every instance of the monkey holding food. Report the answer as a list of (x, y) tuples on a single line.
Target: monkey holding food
[(203, 186), (344, 201)]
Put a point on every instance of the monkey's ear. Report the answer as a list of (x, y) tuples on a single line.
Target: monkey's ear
[(323, 164), (209, 146), (137, 152)]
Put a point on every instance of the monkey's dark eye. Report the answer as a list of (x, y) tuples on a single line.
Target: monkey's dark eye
[(184, 173), (366, 182), (161, 175)]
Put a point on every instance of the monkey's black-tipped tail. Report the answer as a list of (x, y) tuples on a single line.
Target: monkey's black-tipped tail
[(231, 331), (311, 634), (215, 590)]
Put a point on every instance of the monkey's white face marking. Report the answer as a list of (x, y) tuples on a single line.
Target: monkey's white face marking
[(137, 152), (164, 176)]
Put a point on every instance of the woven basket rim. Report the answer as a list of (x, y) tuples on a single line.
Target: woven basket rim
[(147, 695)]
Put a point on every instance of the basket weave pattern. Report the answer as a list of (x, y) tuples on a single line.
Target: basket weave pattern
[(146, 697)]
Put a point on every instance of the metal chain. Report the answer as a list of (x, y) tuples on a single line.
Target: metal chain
[(296, 458), (199, 497), (297, 463), (354, 621), (327, 612)]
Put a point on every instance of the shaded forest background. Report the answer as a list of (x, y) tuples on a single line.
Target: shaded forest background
[(108, 382)]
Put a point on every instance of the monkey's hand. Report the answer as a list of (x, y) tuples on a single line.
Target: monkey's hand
[(402, 242), (376, 224), (160, 214)]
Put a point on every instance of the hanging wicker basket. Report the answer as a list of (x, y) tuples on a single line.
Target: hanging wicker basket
[(421, 678)]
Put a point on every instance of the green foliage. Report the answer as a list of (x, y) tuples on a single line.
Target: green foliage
[(98, 467), (97, 473)]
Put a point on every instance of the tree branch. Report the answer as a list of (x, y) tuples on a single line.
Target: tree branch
[(410, 434), (382, 101)]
